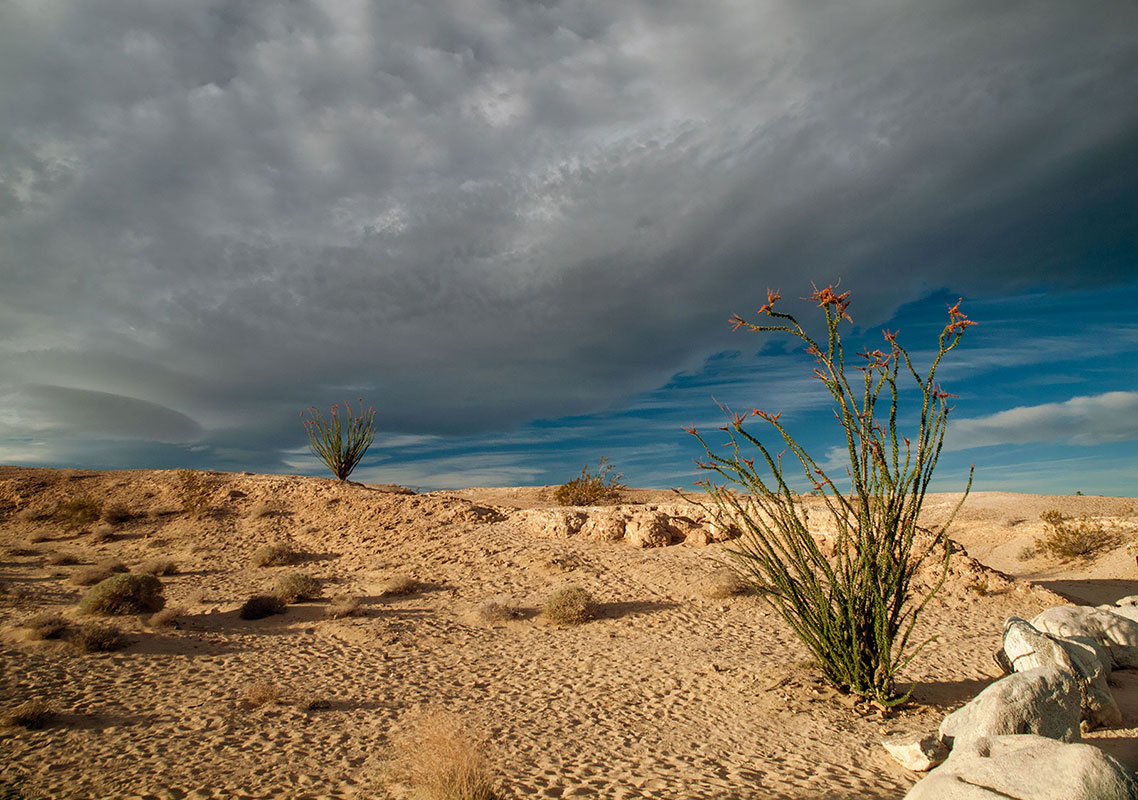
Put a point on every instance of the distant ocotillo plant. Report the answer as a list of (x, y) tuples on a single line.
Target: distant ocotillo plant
[(340, 441)]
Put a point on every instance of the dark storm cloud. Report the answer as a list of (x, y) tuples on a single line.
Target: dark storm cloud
[(478, 213)]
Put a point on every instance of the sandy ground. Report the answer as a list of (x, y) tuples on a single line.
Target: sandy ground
[(668, 693)]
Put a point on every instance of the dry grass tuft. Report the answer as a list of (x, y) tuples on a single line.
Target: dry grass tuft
[(123, 594), (60, 560), (263, 508), (723, 583), (31, 714), (260, 606), (296, 587), (157, 566), (89, 576), (344, 605), (78, 513), (279, 554), (398, 584), (570, 606), (497, 609), (442, 758), (45, 626), (167, 617), (111, 565), (261, 693), (117, 514), (98, 639), (103, 533)]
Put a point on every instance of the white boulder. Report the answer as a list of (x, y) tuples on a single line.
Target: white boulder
[(1026, 767), (1113, 632), (1044, 701)]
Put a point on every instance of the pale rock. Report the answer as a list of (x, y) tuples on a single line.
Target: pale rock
[(1027, 648), (1116, 633), (1129, 600), (919, 754), (1129, 611), (605, 527), (651, 529), (1026, 767), (1044, 701), (552, 522)]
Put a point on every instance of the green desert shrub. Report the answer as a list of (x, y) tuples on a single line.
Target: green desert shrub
[(296, 587), (1067, 538), (98, 639), (78, 513), (853, 604), (589, 489), (123, 594), (569, 606), (340, 442), (260, 606), (280, 554)]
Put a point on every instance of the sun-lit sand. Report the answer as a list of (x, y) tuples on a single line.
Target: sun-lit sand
[(668, 693)]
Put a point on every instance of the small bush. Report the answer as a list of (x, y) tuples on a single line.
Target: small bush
[(444, 759), (158, 566), (194, 492), (723, 583), (263, 509), (123, 594), (398, 584), (570, 606), (46, 626), (98, 639), (60, 559), (296, 587), (78, 513), (167, 617), (496, 609), (280, 554), (261, 693), (31, 714), (1067, 538), (103, 533), (588, 489), (340, 443), (111, 565), (260, 606), (343, 605), (116, 514)]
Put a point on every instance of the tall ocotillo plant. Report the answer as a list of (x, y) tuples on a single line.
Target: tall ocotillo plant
[(855, 607), (338, 442)]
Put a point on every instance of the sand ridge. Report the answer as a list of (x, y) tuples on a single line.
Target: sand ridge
[(667, 694)]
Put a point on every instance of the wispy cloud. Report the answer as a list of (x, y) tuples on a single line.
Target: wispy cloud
[(1088, 420)]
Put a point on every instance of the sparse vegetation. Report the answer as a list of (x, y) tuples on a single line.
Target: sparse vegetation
[(723, 583), (104, 532), (260, 606), (570, 606), (89, 576), (497, 609), (111, 565), (123, 594), (261, 693), (1067, 538), (263, 509), (280, 554), (194, 492), (158, 566), (98, 639), (31, 714), (344, 605), (45, 626), (116, 514), (167, 617), (442, 758), (1026, 553), (296, 587), (60, 559), (398, 584), (78, 513), (589, 489), (340, 443), (853, 607)]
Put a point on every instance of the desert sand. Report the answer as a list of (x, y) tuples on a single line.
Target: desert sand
[(667, 693)]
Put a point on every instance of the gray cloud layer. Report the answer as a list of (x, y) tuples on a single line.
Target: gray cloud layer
[(476, 213)]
